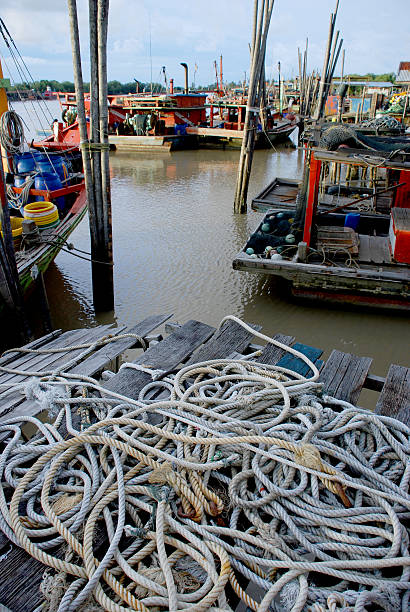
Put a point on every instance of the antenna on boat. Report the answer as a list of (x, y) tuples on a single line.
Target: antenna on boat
[(150, 47), (164, 72)]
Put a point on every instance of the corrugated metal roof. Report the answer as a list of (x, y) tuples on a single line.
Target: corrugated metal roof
[(403, 76), (404, 66)]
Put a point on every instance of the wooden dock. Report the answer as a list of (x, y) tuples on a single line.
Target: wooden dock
[(343, 375)]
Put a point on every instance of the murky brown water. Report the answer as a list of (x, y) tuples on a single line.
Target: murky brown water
[(175, 236)]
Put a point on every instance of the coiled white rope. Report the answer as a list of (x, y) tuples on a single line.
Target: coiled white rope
[(241, 469)]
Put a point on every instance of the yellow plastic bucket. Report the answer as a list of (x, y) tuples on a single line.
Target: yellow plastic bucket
[(16, 226), (42, 213), (16, 230)]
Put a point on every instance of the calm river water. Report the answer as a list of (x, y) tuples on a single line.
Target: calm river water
[(175, 236)]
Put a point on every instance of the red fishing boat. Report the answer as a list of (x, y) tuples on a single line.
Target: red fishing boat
[(347, 238), (141, 121)]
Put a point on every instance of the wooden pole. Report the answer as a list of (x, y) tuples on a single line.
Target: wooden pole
[(258, 52), (107, 297), (319, 106), (240, 202), (305, 55), (84, 142), (102, 291), (94, 105), (405, 109)]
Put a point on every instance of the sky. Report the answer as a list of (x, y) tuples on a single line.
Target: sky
[(375, 32)]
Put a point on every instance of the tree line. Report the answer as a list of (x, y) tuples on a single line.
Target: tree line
[(116, 87)]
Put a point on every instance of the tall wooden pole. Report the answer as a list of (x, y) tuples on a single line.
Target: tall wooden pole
[(319, 106), (94, 103), (101, 265), (107, 302), (258, 52), (240, 202)]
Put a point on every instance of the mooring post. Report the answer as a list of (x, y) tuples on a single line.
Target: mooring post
[(107, 297), (258, 50), (101, 255)]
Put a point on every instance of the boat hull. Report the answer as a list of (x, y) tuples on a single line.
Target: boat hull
[(38, 259), (378, 287)]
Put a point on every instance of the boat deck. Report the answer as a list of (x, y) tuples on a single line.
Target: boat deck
[(343, 375), (282, 192), (374, 249)]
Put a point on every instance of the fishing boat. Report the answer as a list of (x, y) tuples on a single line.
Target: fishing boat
[(357, 251), (46, 201), (226, 120), (177, 121), (142, 121)]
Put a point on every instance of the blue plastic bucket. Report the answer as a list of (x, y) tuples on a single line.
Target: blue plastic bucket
[(352, 220), (25, 163), (50, 182), (180, 129), (53, 165)]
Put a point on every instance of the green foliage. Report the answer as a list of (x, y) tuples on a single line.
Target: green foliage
[(114, 87), (370, 76)]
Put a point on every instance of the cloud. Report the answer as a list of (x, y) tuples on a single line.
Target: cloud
[(199, 31), (126, 46)]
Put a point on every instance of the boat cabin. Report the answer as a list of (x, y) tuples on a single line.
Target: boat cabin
[(347, 236)]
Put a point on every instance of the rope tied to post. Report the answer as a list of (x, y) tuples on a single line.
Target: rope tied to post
[(94, 147)]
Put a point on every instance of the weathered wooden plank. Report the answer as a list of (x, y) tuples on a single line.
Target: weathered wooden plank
[(165, 355), (100, 358), (295, 363), (38, 343), (379, 252), (271, 353), (364, 248), (343, 375), (230, 337), (16, 404), (54, 360), (394, 400), (21, 576), (32, 361)]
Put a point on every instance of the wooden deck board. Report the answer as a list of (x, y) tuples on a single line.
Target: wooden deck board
[(343, 375), (26, 361), (38, 362), (231, 337), (15, 402), (165, 355), (38, 343), (271, 353), (103, 356), (394, 400)]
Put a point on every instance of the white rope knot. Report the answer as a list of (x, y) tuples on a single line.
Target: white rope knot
[(154, 373), (309, 456), (244, 400), (49, 398)]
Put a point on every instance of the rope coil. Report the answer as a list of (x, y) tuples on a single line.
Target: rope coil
[(227, 468)]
